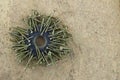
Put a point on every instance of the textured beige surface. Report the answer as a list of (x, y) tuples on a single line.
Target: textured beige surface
[(95, 26)]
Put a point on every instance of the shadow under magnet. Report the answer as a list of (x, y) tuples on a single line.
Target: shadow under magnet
[(43, 40)]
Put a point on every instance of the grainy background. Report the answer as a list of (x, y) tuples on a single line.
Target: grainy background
[(95, 26)]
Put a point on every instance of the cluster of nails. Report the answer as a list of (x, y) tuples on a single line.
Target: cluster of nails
[(51, 29)]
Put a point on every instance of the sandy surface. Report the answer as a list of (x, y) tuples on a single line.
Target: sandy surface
[(94, 25)]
